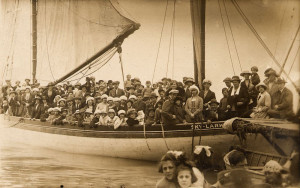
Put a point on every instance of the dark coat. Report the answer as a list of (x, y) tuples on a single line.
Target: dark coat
[(168, 112), (37, 111), (116, 92), (132, 122), (284, 100), (139, 105), (14, 104), (50, 97), (242, 96), (180, 113), (210, 95), (255, 79)]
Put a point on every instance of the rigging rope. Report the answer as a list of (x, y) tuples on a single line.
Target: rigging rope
[(289, 51), (161, 33), (46, 36), (236, 5), (280, 27), (294, 60), (226, 37), (170, 41), (226, 13), (174, 18)]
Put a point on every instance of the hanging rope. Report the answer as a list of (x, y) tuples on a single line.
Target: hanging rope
[(226, 13), (289, 51), (46, 35), (280, 27), (226, 36), (294, 60), (260, 39), (162, 29), (121, 62), (170, 41)]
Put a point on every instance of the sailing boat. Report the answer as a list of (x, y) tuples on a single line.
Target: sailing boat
[(68, 18)]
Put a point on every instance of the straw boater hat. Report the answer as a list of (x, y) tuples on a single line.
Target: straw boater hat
[(121, 112), (261, 85), (227, 79), (104, 96), (189, 80), (235, 78), (123, 97), (132, 97), (193, 87), (206, 81), (245, 72)]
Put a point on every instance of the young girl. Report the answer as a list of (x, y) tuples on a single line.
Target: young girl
[(185, 176), (103, 117), (112, 118), (122, 119), (132, 114)]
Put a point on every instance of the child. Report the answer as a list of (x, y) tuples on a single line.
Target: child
[(150, 119), (158, 111), (254, 76), (185, 176), (112, 118), (103, 117), (78, 119), (95, 121), (110, 102), (88, 116), (223, 105), (132, 114), (122, 119), (127, 82), (51, 115), (141, 117), (147, 90), (56, 115)]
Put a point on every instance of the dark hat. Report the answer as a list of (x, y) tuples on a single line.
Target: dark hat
[(164, 79), (280, 81), (148, 82), (50, 84), (77, 98), (27, 79), (235, 78), (254, 68), (270, 71), (109, 81), (213, 101), (245, 72), (227, 79), (178, 98), (116, 82)]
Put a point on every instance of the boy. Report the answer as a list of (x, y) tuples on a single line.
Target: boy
[(127, 83), (254, 76), (223, 105), (147, 90)]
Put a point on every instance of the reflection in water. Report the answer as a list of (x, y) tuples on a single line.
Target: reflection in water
[(26, 166)]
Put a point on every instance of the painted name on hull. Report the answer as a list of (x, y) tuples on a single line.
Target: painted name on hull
[(208, 126)]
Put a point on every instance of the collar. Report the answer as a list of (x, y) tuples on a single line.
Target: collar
[(281, 90), (237, 91)]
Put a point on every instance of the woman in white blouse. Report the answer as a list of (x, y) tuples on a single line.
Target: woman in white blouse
[(263, 103)]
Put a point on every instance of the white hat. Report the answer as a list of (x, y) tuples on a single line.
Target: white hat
[(62, 99), (272, 166), (50, 110), (59, 85), (35, 89), (111, 111), (194, 87), (116, 99), (103, 112), (28, 87), (97, 112), (110, 99), (104, 96), (56, 109), (121, 112), (132, 97), (173, 91), (123, 97), (89, 98)]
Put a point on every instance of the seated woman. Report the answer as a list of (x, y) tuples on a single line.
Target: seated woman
[(263, 103), (122, 119)]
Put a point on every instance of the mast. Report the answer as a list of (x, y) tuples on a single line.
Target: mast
[(34, 39), (198, 9)]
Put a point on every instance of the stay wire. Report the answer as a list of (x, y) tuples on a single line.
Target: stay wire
[(46, 36), (174, 18), (226, 36), (294, 60), (161, 33), (170, 40), (236, 5), (280, 27), (226, 13)]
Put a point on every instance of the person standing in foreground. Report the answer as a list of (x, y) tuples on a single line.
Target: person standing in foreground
[(282, 101)]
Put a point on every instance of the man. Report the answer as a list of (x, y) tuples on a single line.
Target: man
[(116, 91), (227, 82), (282, 101), (13, 103), (270, 81), (213, 113), (27, 82), (253, 93), (139, 104), (167, 114), (37, 108), (188, 82), (238, 98)]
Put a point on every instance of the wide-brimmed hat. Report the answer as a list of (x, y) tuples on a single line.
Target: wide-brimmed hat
[(35, 89), (213, 101), (132, 97), (89, 98), (245, 72), (261, 85), (206, 81), (131, 111), (270, 71), (193, 87), (174, 91), (121, 112), (235, 78), (227, 79), (97, 112), (62, 99), (123, 97), (104, 96), (110, 99), (189, 80), (111, 111)]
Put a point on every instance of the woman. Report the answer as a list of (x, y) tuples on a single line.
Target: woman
[(263, 103), (207, 94), (194, 106)]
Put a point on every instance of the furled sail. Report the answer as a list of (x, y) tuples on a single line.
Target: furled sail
[(68, 33)]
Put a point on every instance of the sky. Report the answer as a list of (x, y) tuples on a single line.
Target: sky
[(276, 21)]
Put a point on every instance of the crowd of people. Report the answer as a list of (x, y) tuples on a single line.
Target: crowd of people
[(101, 103), (182, 171)]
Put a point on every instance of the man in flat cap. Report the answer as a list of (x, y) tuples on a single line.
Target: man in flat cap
[(167, 113), (116, 91)]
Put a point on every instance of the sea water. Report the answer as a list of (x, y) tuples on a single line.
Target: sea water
[(24, 165)]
